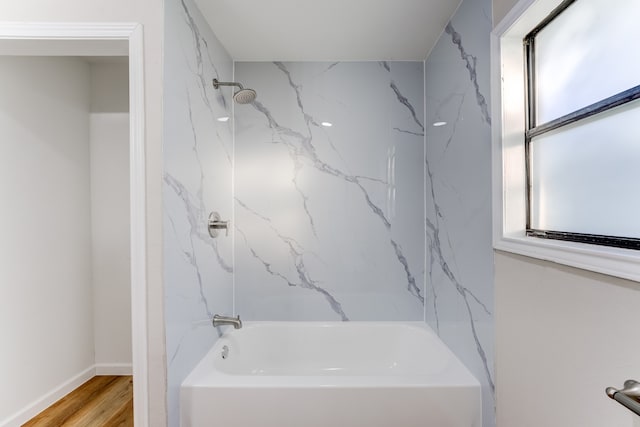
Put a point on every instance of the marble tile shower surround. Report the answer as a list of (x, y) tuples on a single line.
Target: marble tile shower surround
[(329, 220), (459, 255), (198, 150)]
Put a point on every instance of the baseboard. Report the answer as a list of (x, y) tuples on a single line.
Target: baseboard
[(39, 405), (114, 369)]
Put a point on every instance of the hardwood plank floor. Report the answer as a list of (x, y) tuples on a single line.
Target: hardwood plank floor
[(103, 401)]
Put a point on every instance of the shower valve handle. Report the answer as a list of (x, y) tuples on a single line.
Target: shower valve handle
[(215, 224)]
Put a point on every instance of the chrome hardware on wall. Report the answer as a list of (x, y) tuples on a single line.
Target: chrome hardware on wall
[(226, 320), (225, 351), (215, 224), (628, 397)]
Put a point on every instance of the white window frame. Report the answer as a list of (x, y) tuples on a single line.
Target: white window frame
[(509, 182)]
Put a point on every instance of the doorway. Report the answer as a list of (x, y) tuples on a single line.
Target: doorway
[(73, 279)]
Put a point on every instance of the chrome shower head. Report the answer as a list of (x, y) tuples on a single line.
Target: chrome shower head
[(242, 95), (245, 96)]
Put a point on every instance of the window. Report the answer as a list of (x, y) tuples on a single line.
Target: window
[(566, 146), (582, 124)]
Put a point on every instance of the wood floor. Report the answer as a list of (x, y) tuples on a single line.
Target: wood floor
[(103, 401)]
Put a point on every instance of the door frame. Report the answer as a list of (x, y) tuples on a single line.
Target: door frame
[(132, 33)]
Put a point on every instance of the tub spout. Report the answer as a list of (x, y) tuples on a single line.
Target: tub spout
[(226, 320)]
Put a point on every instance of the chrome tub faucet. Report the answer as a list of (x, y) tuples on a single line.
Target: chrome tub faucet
[(226, 320)]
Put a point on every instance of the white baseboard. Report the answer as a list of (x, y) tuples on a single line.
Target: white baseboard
[(42, 403), (114, 369)]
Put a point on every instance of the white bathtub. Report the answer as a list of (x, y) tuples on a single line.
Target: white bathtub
[(342, 374)]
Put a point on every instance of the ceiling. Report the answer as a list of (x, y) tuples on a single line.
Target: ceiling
[(328, 30)]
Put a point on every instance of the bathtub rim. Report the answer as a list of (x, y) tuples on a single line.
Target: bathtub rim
[(205, 375)]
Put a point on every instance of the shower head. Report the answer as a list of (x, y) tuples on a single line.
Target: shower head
[(242, 95)]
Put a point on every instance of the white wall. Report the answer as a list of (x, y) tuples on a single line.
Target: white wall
[(46, 320), (109, 153), (65, 167), (562, 336), (149, 13), (501, 8)]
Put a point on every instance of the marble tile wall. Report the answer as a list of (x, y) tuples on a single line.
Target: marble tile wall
[(198, 149), (459, 256), (329, 220)]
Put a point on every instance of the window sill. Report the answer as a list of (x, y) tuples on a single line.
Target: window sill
[(617, 262)]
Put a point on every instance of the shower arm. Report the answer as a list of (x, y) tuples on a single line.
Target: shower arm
[(242, 95), (217, 84)]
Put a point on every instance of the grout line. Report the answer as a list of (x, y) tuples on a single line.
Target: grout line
[(424, 189), (233, 192)]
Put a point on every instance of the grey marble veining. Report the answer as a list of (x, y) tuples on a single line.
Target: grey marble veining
[(411, 281), (198, 271), (470, 63), (404, 101), (409, 132), (309, 151), (196, 214), (459, 254), (434, 248), (297, 253), (357, 253), (198, 42)]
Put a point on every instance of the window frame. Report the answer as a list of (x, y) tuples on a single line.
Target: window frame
[(534, 129), (509, 206)]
